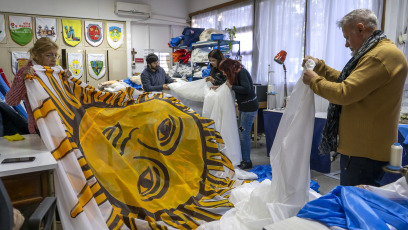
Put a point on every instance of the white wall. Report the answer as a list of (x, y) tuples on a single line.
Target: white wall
[(139, 36), (196, 5), (95, 9)]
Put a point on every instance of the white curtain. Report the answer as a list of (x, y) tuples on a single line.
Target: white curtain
[(324, 40), (279, 26), (396, 20), (205, 20), (396, 24), (239, 15)]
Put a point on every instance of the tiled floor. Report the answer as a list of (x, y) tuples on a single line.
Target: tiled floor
[(326, 181)]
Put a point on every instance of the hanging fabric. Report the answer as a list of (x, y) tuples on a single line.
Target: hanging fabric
[(288, 192), (18, 60), (75, 64), (94, 33), (2, 28), (96, 65), (72, 31), (114, 34), (21, 29), (216, 105), (46, 27)]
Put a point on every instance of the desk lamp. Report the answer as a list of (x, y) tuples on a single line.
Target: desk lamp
[(280, 58)]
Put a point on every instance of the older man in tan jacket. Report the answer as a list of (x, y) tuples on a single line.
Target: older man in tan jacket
[(365, 99)]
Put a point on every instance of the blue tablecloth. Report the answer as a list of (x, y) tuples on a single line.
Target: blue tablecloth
[(403, 140), (322, 163), (317, 162)]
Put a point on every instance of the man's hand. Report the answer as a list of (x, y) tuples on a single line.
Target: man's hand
[(308, 76), (309, 57), (67, 73), (166, 87), (209, 78)]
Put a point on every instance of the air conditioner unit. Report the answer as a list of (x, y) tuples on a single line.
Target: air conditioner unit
[(133, 10)]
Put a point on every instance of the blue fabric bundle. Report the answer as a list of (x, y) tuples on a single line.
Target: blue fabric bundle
[(134, 85), (191, 35), (207, 71), (4, 89), (265, 172), (314, 185), (175, 41), (356, 208)]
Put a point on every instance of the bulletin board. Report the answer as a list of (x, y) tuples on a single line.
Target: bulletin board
[(115, 62)]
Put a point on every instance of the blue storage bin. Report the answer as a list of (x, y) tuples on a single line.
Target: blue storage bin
[(216, 37)]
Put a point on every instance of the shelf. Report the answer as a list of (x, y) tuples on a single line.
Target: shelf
[(213, 43), (180, 47)]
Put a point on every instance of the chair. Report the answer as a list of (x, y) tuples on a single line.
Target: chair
[(42, 217)]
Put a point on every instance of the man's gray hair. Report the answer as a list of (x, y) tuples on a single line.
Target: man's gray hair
[(364, 16)]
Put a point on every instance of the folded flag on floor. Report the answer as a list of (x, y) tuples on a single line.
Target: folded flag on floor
[(129, 160), (356, 208)]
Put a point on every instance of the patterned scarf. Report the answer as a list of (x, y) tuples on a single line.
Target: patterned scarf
[(331, 128)]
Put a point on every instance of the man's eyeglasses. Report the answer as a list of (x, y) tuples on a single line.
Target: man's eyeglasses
[(52, 56)]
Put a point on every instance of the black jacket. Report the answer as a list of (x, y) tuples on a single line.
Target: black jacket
[(219, 78), (245, 92)]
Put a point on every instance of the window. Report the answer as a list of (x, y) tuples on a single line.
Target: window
[(239, 15), (164, 60)]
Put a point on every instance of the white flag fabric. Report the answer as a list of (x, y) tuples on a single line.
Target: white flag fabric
[(18, 60), (2, 28), (288, 192), (75, 64), (96, 65), (114, 34), (93, 33), (218, 105), (46, 27)]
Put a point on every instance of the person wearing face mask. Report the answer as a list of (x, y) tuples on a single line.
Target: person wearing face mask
[(153, 77), (365, 99), (216, 77), (45, 53)]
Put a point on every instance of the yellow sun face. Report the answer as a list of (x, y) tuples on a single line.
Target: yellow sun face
[(151, 150), (149, 161)]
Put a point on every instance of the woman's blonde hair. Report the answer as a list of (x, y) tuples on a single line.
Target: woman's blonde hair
[(41, 46)]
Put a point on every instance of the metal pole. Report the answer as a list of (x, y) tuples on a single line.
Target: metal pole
[(285, 92)]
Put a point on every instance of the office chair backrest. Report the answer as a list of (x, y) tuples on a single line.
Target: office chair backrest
[(6, 209)]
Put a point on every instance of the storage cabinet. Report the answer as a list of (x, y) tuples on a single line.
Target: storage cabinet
[(27, 189)]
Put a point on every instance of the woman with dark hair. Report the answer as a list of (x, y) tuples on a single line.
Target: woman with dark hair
[(215, 77), (240, 81)]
